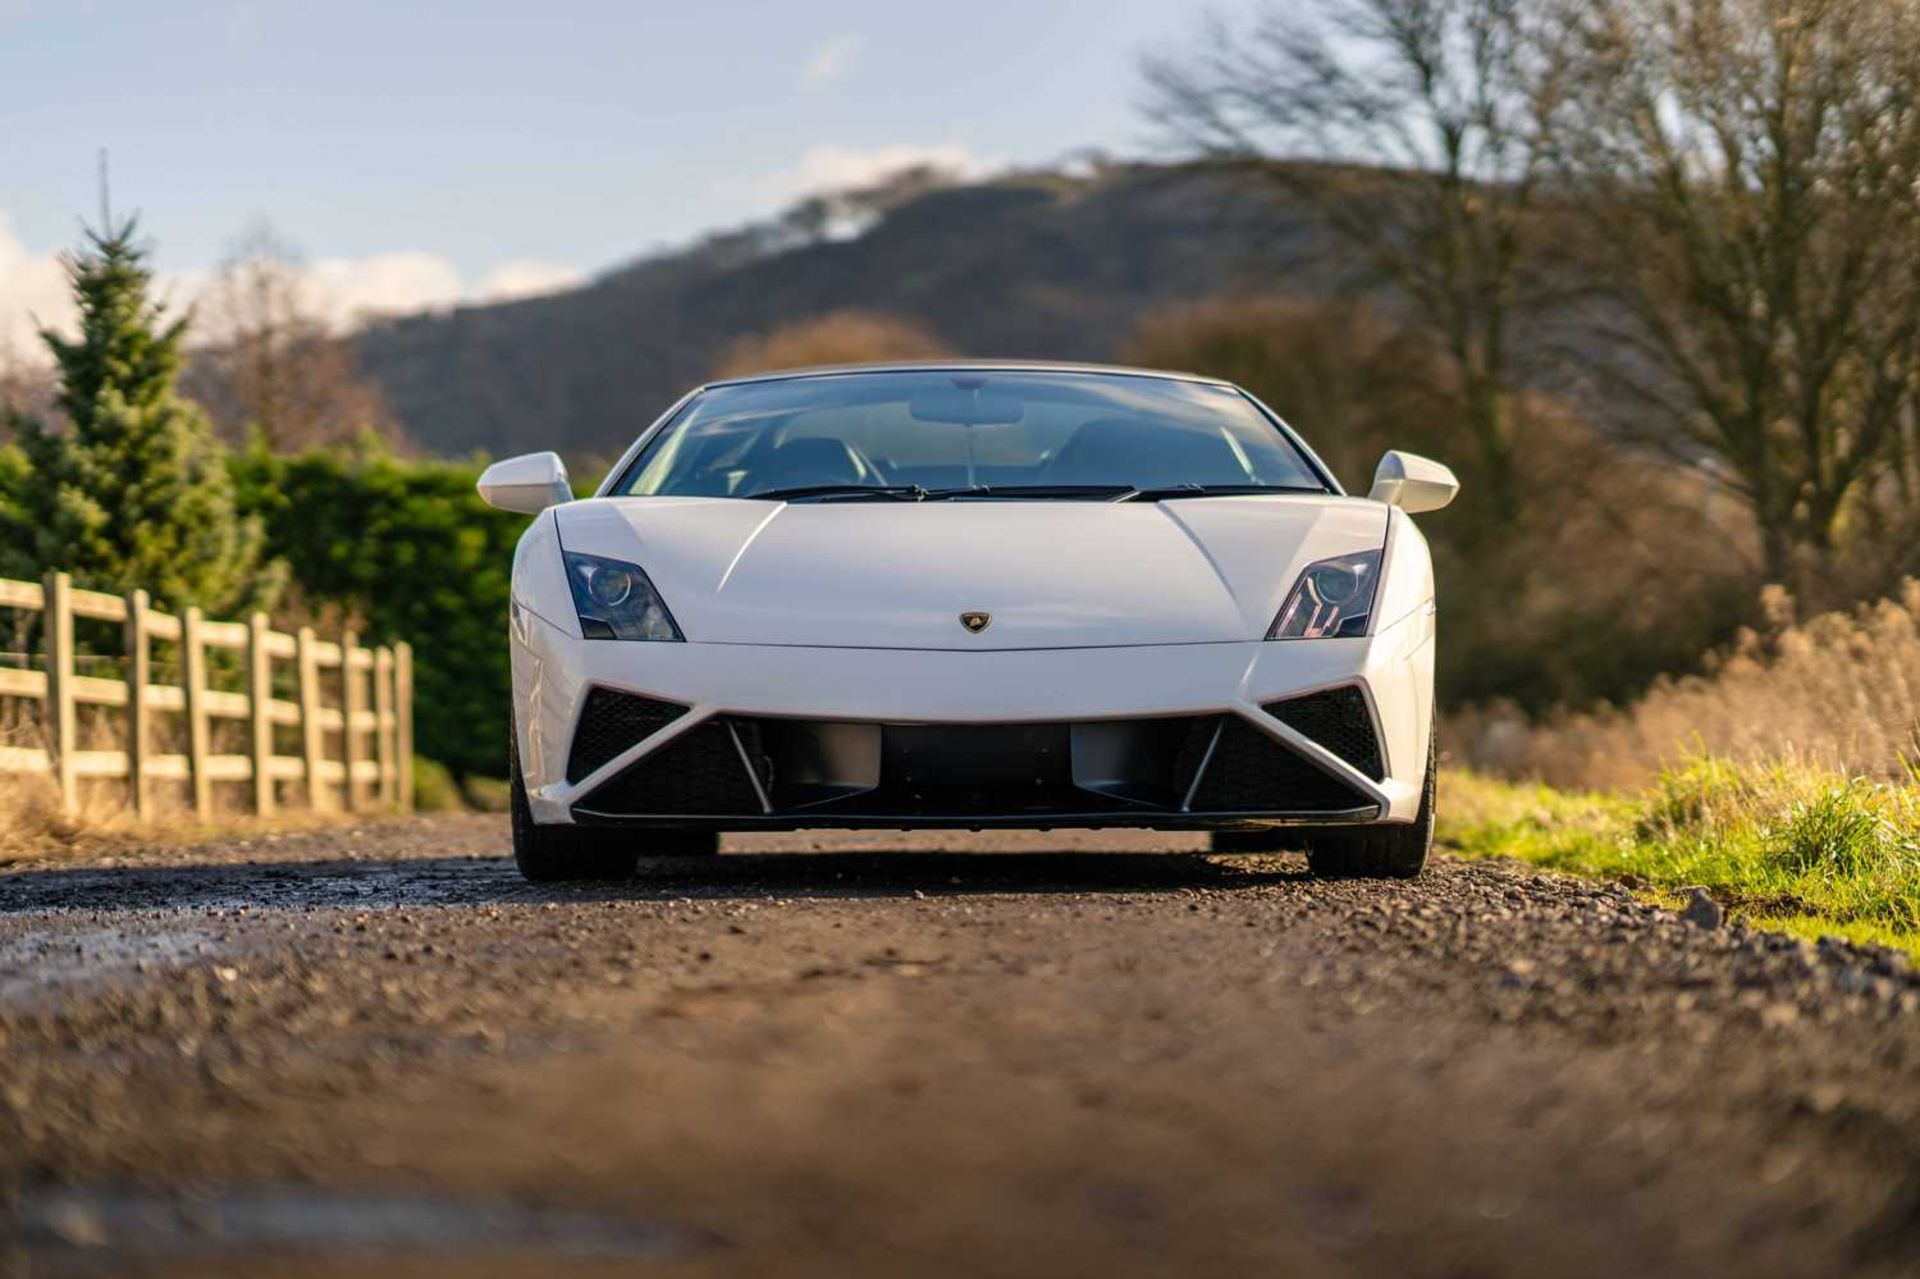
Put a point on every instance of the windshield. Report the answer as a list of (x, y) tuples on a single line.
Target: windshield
[(960, 433)]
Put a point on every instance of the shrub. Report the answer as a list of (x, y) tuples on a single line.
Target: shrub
[(434, 790), (487, 794), (838, 337)]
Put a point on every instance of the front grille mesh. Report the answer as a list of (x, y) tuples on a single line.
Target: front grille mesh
[(1249, 772), (697, 774), (610, 722), (1337, 719)]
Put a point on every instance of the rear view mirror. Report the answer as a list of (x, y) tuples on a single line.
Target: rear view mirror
[(1413, 483), (968, 406), (528, 484)]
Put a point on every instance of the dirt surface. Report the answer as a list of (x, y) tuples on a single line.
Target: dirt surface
[(376, 1051)]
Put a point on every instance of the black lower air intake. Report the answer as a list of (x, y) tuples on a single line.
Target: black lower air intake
[(1337, 719), (702, 772), (1249, 772), (610, 722)]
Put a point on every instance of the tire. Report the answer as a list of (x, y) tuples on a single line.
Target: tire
[(554, 854), (1272, 840), (1388, 851)]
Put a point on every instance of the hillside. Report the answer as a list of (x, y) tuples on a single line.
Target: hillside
[(1033, 265)]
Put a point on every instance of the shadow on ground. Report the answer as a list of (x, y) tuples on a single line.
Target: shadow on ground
[(343, 883)]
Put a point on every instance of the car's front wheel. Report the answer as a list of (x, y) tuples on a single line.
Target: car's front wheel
[(1393, 851), (549, 854)]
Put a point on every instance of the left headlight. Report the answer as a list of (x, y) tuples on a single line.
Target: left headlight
[(1332, 600), (615, 600)]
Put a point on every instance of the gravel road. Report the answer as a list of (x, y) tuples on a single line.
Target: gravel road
[(375, 1051)]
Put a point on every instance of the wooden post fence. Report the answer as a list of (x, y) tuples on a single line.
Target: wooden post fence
[(353, 702), (374, 760), (139, 704), (62, 721)]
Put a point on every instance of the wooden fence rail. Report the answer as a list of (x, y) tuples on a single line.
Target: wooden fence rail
[(376, 774)]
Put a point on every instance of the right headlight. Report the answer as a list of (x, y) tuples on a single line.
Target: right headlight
[(1332, 600), (615, 600)]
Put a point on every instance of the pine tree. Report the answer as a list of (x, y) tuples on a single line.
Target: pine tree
[(135, 491)]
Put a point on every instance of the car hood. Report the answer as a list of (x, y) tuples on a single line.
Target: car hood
[(1052, 574)]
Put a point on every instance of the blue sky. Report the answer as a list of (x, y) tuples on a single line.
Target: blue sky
[(457, 150)]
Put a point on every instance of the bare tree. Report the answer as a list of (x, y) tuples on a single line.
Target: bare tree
[(272, 364), (1446, 101), (1747, 170)]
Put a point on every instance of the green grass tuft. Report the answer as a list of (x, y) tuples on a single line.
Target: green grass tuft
[(1786, 844)]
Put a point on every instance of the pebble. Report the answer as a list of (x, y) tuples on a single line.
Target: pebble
[(1702, 911)]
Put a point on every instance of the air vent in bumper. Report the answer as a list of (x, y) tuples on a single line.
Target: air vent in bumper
[(611, 721), (702, 772), (1336, 718), (1248, 772)]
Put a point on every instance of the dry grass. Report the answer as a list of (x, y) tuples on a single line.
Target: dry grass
[(32, 824), (30, 818), (32, 827), (1839, 692)]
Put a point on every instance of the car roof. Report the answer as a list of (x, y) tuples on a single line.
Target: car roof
[(966, 366)]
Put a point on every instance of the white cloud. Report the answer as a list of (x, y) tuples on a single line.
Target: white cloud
[(525, 279), (33, 292), (830, 61), (347, 290), (828, 167), (342, 291)]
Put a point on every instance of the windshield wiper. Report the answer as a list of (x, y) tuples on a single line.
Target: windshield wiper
[(832, 492), (1107, 492), (1087, 492), (1164, 492)]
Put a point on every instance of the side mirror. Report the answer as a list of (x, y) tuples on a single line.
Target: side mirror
[(1413, 483), (527, 484)]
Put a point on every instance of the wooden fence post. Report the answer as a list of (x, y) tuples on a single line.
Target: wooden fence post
[(383, 727), (61, 726), (352, 703), (139, 714), (312, 736), (260, 712), (403, 708), (193, 682)]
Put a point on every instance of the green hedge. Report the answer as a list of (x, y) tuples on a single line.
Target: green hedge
[(408, 547)]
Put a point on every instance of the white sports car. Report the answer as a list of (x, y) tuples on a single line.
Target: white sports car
[(971, 595)]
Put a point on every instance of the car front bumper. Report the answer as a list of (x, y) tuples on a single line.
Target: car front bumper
[(912, 737)]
